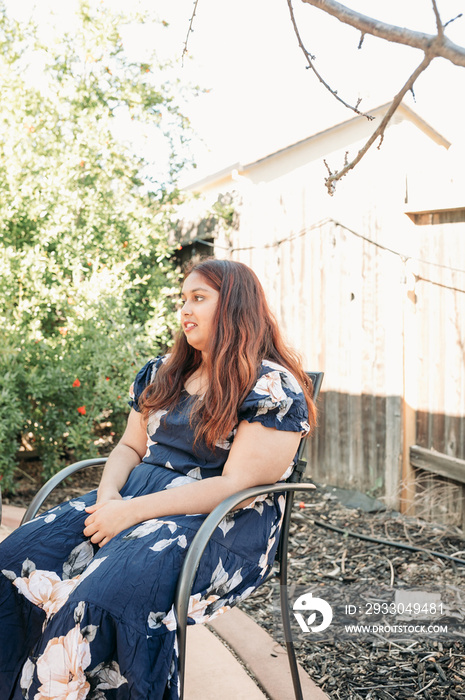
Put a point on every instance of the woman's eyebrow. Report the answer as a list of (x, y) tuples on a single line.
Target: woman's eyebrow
[(193, 291)]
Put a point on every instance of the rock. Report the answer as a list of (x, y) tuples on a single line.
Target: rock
[(354, 499)]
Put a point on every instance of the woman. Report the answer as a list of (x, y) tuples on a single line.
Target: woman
[(86, 590)]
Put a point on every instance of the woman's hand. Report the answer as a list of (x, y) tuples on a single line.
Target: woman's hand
[(108, 518), (108, 494)]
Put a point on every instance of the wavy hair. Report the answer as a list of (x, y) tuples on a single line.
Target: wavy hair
[(245, 333)]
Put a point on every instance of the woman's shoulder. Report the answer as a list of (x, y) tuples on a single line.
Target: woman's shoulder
[(147, 373), (154, 365), (278, 372), (276, 400), (144, 377)]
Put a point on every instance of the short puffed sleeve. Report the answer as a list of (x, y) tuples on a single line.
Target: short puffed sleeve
[(144, 377), (276, 401)]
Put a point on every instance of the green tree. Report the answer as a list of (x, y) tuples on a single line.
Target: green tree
[(85, 277)]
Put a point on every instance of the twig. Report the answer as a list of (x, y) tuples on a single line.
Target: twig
[(452, 20), (391, 583), (425, 687), (385, 695), (439, 25), (390, 642), (28, 476), (343, 561), (310, 58), (407, 536), (189, 31), (379, 132), (376, 687), (439, 670)]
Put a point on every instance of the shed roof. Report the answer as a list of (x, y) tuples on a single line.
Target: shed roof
[(403, 113)]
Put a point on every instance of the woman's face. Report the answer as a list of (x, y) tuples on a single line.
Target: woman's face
[(197, 314)]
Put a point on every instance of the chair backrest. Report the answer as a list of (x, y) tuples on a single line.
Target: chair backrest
[(295, 478), (317, 379)]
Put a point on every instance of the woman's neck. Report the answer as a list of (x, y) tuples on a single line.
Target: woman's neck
[(197, 383)]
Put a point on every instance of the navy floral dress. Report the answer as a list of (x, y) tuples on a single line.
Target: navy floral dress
[(82, 622)]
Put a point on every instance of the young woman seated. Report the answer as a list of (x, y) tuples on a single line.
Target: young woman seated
[(87, 589)]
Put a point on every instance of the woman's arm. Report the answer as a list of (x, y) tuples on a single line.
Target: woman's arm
[(127, 454), (258, 455)]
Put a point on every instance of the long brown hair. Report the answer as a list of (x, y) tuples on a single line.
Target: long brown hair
[(245, 333)]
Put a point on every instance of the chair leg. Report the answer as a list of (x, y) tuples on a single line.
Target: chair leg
[(181, 633), (284, 599), (194, 554)]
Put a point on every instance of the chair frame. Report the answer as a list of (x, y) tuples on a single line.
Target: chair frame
[(202, 537), (206, 530), (54, 481)]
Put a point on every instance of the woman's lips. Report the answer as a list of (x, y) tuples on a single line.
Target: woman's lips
[(189, 325)]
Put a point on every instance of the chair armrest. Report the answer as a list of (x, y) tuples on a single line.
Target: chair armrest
[(197, 548), (56, 479)]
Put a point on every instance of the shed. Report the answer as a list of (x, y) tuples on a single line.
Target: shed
[(369, 286)]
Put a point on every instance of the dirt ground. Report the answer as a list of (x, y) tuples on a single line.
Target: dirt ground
[(374, 578), (328, 559), (29, 481)]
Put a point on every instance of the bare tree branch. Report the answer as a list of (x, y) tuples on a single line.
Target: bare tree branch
[(432, 46), (439, 25), (189, 31), (438, 45), (310, 58), (453, 20), (334, 177)]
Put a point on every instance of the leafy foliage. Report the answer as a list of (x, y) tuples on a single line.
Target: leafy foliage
[(85, 276)]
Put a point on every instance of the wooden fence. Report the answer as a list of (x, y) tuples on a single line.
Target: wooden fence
[(388, 331)]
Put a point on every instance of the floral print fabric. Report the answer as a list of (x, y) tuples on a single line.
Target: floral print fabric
[(79, 622)]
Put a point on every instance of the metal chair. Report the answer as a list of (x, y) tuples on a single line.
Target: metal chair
[(54, 481), (202, 537), (206, 530)]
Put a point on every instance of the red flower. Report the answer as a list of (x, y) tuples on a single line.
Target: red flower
[(76, 383), (82, 410), (107, 379)]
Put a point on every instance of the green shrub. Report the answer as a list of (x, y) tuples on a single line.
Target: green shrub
[(66, 395), (85, 277)]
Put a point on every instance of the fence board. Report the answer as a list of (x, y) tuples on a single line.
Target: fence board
[(438, 463)]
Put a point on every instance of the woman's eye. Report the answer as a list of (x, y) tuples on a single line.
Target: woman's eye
[(198, 297)]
